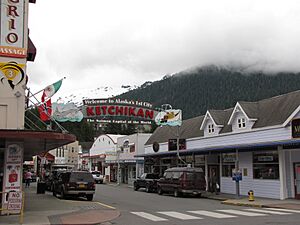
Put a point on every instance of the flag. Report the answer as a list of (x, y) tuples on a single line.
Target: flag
[(50, 90), (45, 110)]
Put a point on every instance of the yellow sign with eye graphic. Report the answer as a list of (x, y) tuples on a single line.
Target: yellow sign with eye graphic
[(12, 73)]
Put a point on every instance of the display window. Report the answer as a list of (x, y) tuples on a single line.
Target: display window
[(228, 164), (266, 165)]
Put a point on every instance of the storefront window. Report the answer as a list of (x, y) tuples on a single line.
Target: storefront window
[(265, 165), (228, 164)]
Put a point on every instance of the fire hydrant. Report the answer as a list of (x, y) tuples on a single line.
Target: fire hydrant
[(250, 195)]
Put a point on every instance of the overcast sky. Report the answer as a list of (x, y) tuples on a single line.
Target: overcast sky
[(109, 43)]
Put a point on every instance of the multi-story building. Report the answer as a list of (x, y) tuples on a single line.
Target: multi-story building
[(67, 155)]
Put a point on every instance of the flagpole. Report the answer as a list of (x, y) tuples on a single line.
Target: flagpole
[(51, 119)]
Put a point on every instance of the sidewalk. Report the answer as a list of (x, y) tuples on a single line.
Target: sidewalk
[(44, 209), (230, 199)]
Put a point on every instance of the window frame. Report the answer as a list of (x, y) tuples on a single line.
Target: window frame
[(241, 122), (265, 164), (211, 128)]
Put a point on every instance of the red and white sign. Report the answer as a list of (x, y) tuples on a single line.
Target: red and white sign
[(15, 201), (12, 29)]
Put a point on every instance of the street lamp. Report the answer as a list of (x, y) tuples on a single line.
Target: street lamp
[(118, 150)]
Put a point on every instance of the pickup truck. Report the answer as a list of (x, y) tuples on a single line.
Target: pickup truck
[(148, 181)]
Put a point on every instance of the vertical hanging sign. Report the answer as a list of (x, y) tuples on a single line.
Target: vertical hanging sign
[(12, 28), (13, 167)]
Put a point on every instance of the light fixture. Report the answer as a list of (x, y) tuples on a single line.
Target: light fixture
[(18, 94)]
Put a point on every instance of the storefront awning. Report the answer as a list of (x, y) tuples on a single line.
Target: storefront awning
[(35, 142), (229, 148)]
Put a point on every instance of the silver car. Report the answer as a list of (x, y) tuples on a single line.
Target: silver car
[(98, 177)]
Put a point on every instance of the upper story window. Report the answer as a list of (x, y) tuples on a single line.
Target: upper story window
[(211, 128), (241, 123)]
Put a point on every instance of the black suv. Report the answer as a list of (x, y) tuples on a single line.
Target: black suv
[(76, 183), (148, 181)]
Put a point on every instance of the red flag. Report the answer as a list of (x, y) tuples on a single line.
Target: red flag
[(45, 110)]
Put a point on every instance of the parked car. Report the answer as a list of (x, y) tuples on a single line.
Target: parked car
[(182, 180), (49, 180), (148, 181), (33, 177), (75, 183), (98, 177)]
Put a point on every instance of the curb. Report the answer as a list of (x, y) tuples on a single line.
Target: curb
[(228, 202)]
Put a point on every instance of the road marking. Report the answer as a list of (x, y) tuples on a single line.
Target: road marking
[(181, 216), (241, 213), (212, 214), (284, 210), (268, 211), (149, 216), (105, 205)]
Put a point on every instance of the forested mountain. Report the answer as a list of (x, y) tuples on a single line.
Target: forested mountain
[(212, 87)]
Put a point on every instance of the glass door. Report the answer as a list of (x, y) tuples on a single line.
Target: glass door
[(297, 180)]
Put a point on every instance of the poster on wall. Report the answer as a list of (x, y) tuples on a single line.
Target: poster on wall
[(13, 177), (14, 154), (13, 166)]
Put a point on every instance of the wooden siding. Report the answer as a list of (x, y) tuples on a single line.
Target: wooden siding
[(261, 188), (243, 138)]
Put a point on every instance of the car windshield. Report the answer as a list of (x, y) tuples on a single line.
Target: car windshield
[(152, 176), (86, 177), (96, 173)]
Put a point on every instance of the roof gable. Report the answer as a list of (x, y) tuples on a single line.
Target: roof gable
[(238, 108), (206, 118)]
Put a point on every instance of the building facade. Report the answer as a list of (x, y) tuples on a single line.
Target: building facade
[(256, 141), (67, 155), (104, 146), (129, 147)]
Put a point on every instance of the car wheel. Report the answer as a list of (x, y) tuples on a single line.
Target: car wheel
[(62, 194), (135, 187), (148, 189), (176, 193), (89, 197), (159, 190)]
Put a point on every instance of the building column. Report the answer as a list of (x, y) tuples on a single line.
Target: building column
[(206, 171), (282, 173)]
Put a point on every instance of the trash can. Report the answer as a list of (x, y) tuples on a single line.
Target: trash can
[(41, 187)]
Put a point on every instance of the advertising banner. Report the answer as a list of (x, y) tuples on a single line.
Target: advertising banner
[(118, 111), (66, 112), (13, 168), (13, 17), (170, 117)]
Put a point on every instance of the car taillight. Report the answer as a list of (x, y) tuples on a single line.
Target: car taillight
[(93, 185), (71, 185)]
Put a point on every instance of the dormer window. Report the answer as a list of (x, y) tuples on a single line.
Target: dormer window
[(211, 128), (241, 123)]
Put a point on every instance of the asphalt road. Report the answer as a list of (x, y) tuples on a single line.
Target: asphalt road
[(141, 208)]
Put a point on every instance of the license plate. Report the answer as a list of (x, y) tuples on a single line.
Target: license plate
[(81, 185)]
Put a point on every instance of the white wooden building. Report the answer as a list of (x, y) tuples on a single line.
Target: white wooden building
[(259, 139)]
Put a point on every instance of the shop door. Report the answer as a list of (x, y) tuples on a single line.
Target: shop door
[(297, 181), (213, 169)]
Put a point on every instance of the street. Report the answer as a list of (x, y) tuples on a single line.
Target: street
[(139, 207)]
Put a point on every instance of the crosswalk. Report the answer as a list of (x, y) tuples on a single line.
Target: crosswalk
[(216, 214)]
